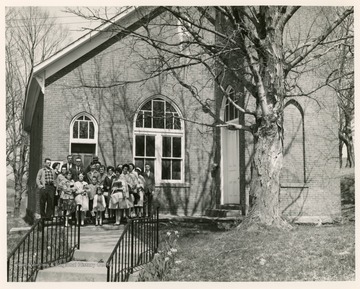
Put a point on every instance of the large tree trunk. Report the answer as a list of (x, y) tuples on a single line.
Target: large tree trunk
[(265, 183), (350, 161), (268, 155)]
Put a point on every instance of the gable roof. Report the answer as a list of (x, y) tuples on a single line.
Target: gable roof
[(80, 51)]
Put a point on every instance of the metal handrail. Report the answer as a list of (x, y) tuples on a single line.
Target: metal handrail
[(47, 243), (136, 246)]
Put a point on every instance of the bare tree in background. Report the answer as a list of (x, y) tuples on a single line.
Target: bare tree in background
[(248, 44), (31, 36), (341, 79)]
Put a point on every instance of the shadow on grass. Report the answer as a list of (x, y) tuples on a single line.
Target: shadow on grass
[(305, 253)]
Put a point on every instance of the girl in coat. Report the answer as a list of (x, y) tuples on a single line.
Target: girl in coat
[(81, 197), (99, 206)]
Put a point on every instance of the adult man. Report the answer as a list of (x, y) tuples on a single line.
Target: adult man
[(149, 190), (45, 181), (69, 164), (77, 168)]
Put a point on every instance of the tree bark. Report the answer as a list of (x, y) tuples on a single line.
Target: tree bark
[(265, 182), (268, 155)]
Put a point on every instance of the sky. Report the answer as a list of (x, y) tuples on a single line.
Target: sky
[(77, 26)]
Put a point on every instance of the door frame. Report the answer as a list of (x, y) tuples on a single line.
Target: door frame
[(222, 166)]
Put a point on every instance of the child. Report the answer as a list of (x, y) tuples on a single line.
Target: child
[(116, 195), (67, 204), (81, 197), (91, 193), (99, 206)]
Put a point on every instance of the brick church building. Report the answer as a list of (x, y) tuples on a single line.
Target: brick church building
[(79, 104)]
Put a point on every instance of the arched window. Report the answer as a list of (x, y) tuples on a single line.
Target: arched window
[(159, 140), (230, 111), (293, 170), (83, 135)]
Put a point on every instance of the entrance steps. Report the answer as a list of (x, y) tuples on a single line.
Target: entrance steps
[(74, 271), (224, 211), (89, 263)]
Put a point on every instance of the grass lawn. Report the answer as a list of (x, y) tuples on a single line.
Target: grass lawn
[(306, 253)]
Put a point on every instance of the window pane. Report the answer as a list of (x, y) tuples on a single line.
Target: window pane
[(147, 116), (83, 129), (158, 114), (236, 112), (169, 121), (140, 163), (139, 145), (231, 107), (147, 106), (150, 146), (165, 169), (151, 162), (177, 123), (176, 169), (177, 147), (76, 130), (91, 130), (86, 118), (169, 107), (139, 119), (166, 147)]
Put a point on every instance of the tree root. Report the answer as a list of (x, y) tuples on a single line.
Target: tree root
[(251, 224)]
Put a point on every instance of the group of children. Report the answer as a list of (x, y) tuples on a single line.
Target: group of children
[(122, 192)]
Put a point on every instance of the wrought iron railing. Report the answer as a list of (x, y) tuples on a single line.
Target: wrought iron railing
[(136, 246), (47, 243)]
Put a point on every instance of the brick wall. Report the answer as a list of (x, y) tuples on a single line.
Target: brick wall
[(114, 110)]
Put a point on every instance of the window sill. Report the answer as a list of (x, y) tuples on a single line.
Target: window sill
[(172, 185)]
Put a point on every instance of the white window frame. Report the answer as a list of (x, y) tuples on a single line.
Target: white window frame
[(84, 140), (159, 133)]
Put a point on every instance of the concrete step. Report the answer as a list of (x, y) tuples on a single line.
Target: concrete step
[(97, 242), (222, 213), (88, 263), (229, 207), (74, 271)]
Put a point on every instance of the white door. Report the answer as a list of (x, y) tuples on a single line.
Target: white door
[(231, 171)]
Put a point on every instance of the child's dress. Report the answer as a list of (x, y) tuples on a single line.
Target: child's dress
[(139, 197), (119, 198), (99, 203), (81, 195)]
